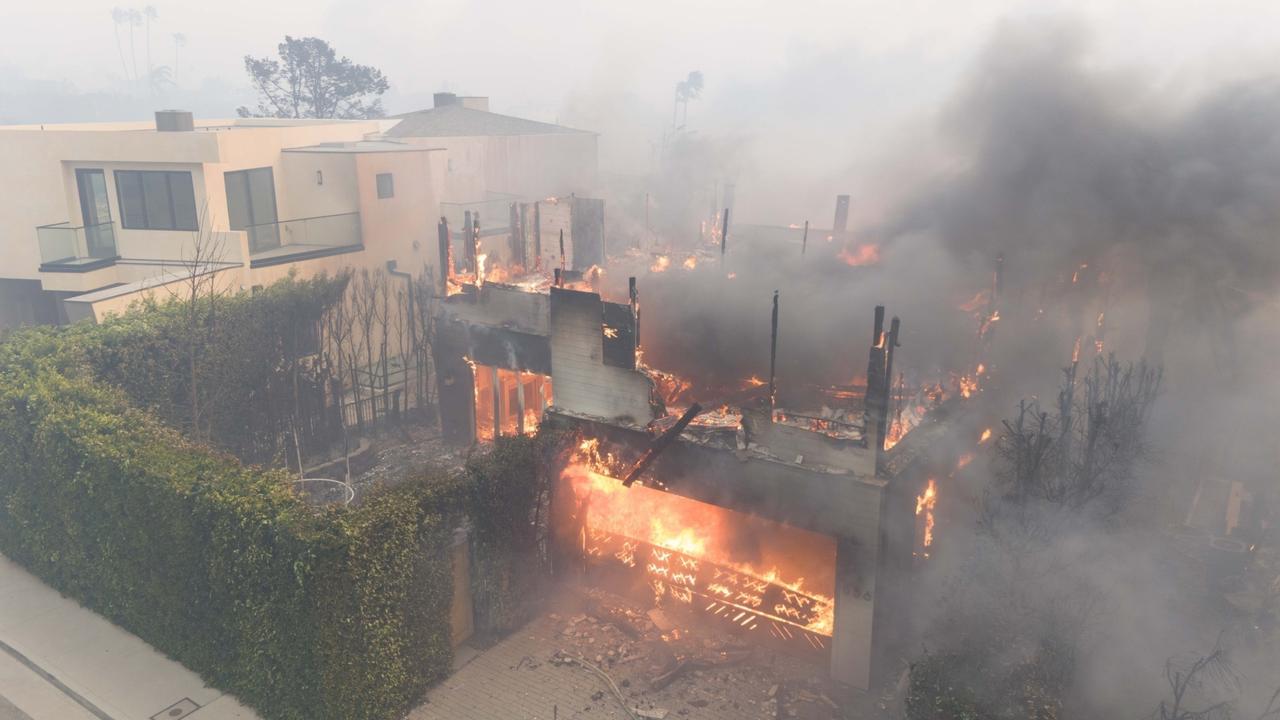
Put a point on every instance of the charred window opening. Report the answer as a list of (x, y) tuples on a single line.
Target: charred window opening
[(619, 331), (509, 402)]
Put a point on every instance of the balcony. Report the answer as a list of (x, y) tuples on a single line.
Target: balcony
[(68, 248), (289, 241)]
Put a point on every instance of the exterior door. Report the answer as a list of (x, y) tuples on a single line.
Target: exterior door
[(251, 206), (95, 212)]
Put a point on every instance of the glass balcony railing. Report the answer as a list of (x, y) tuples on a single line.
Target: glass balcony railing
[(494, 213), (304, 235), (70, 247)]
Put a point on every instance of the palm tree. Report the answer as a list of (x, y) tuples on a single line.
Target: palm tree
[(118, 16), (150, 13), (688, 89), (179, 41), (135, 19)]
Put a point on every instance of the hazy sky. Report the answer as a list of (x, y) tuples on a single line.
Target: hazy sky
[(841, 84), (529, 56)]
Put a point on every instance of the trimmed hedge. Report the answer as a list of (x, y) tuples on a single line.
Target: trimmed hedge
[(503, 489), (302, 614)]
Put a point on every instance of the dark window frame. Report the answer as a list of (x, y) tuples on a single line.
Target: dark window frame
[(391, 185), (130, 223)]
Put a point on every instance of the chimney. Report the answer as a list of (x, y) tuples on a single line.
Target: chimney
[(442, 99), (174, 121), (841, 223)]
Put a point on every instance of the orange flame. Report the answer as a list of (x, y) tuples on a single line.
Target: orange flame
[(701, 532), (924, 505), (862, 254)]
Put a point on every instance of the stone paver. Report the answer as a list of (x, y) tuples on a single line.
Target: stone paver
[(54, 650)]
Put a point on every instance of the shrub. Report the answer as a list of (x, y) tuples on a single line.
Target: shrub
[(303, 614)]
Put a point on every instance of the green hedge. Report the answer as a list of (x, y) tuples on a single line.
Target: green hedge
[(302, 614), (502, 493)]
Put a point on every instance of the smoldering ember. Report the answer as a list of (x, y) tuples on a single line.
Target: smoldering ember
[(957, 406)]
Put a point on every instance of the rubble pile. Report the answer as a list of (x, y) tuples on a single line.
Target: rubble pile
[(651, 667)]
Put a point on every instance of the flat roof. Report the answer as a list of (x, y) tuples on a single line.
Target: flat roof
[(362, 146), (454, 120), (205, 125)]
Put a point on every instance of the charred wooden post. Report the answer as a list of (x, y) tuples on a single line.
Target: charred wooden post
[(520, 428), (724, 232), (514, 242), (446, 256), (496, 387), (634, 294), (562, 260), (468, 242), (773, 357), (475, 246), (524, 236), (559, 277), (883, 428), (876, 395), (804, 240), (537, 235), (662, 443)]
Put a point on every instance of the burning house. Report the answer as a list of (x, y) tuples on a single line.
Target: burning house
[(798, 529)]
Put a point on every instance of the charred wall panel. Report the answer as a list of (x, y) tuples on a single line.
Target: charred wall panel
[(499, 347), (588, 233), (583, 383)]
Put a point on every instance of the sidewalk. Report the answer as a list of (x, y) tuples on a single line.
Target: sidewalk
[(61, 661)]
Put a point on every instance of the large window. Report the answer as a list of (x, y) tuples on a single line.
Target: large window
[(156, 200)]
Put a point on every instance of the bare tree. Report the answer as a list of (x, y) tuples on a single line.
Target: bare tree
[(1085, 454), (197, 291)]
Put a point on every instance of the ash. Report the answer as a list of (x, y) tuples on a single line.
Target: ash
[(604, 656)]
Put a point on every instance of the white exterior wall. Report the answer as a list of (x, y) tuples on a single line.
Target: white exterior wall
[(403, 227), (298, 189), (37, 179), (528, 166)]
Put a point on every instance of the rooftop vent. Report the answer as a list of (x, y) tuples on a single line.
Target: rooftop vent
[(442, 99), (174, 121)]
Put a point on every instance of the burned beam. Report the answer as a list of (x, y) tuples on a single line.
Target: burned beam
[(883, 426), (724, 232), (662, 443), (537, 235), (468, 242), (773, 357), (804, 240), (446, 256)]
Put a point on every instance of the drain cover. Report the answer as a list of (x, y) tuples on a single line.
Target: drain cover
[(180, 709)]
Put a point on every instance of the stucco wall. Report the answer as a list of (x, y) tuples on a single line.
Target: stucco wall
[(529, 166), (37, 181), (402, 227), (299, 189)]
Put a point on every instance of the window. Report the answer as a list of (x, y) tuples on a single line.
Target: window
[(386, 186), (156, 200)]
